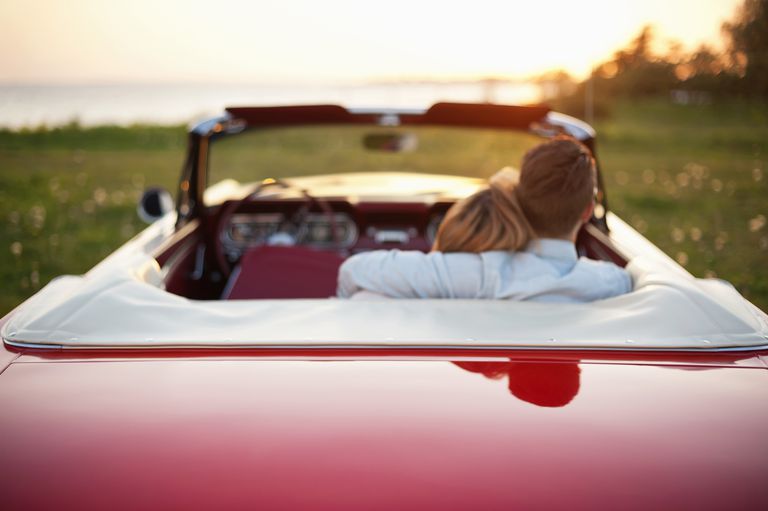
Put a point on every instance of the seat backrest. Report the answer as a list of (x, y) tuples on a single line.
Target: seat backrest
[(284, 272)]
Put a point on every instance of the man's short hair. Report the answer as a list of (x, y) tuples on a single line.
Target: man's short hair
[(557, 183)]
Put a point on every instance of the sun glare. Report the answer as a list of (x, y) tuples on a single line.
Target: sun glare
[(244, 41)]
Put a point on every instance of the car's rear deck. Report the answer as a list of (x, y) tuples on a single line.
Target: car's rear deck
[(122, 304)]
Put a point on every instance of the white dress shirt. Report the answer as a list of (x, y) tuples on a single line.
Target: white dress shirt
[(548, 270)]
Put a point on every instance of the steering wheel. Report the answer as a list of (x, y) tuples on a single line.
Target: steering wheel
[(297, 219)]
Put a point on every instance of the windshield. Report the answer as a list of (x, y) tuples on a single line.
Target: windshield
[(311, 150)]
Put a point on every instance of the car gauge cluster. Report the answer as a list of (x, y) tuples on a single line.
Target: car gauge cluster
[(328, 230), (331, 230)]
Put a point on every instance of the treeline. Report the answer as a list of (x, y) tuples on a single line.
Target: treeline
[(740, 70)]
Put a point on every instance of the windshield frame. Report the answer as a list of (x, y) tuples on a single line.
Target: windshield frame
[(537, 120)]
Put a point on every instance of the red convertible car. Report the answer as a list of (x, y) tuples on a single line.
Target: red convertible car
[(206, 364)]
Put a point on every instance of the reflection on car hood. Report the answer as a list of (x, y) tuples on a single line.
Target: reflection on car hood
[(382, 435)]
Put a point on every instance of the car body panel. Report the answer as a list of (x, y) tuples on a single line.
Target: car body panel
[(351, 433), (6, 358)]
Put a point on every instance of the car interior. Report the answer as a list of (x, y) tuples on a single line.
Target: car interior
[(292, 246), (285, 237)]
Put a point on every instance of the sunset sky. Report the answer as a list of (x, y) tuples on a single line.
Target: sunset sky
[(148, 41)]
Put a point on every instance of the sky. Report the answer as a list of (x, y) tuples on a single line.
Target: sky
[(249, 41)]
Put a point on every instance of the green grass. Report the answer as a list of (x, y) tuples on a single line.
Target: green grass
[(68, 197), (693, 179), (303, 151)]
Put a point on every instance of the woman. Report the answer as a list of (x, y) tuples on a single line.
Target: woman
[(510, 240), (489, 219)]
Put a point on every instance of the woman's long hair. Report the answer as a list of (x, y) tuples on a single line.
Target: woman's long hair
[(489, 219)]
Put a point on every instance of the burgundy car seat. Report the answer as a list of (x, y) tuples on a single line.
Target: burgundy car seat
[(284, 272)]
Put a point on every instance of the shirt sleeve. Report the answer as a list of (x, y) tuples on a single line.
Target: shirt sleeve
[(614, 280), (411, 274)]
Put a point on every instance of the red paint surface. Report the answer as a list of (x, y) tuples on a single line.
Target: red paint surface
[(383, 434)]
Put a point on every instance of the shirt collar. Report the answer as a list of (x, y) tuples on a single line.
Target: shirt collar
[(551, 248)]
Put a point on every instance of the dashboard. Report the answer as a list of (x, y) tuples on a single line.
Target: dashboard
[(336, 226), (337, 230)]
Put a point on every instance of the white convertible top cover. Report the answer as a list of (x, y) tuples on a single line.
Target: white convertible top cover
[(123, 305)]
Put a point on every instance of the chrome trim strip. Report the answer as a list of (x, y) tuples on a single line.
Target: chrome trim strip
[(205, 127), (387, 111), (17, 344), (573, 126), (295, 346)]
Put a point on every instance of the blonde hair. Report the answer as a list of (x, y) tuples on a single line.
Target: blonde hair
[(557, 184), (489, 219)]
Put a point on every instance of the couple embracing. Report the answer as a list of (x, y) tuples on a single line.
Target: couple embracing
[(513, 239)]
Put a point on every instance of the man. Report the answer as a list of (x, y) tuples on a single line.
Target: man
[(477, 250)]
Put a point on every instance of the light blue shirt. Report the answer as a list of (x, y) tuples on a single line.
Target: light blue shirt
[(548, 270)]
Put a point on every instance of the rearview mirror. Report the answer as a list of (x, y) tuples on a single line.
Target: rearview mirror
[(390, 142), (154, 204)]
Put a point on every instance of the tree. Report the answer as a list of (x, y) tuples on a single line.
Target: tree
[(636, 70), (747, 39)]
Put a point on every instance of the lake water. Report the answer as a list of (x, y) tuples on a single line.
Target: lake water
[(34, 105)]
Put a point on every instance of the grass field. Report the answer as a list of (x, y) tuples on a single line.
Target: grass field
[(693, 179)]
